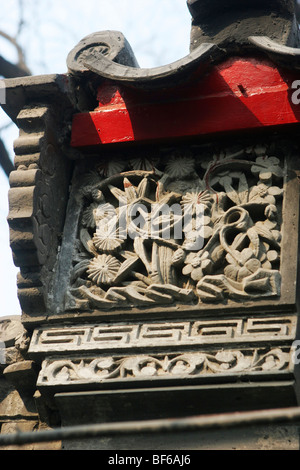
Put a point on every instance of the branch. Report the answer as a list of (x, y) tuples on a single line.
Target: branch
[(8, 69), (5, 161), (21, 62)]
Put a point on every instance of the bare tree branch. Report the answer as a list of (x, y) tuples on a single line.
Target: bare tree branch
[(5, 161), (21, 65)]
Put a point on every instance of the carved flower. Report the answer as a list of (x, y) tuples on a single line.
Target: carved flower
[(180, 368), (88, 216), (236, 272), (186, 364), (199, 196), (108, 238), (180, 166), (144, 163), (226, 359), (110, 168), (150, 368), (91, 179), (103, 269), (265, 167), (197, 225), (270, 363), (197, 265), (96, 212), (264, 193), (140, 366), (196, 231), (196, 236), (131, 193)]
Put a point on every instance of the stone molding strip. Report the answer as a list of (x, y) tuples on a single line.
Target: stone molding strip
[(83, 371), (121, 336)]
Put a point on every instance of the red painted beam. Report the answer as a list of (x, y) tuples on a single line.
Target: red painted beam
[(236, 95)]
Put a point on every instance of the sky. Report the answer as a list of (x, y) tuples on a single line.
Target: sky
[(157, 30)]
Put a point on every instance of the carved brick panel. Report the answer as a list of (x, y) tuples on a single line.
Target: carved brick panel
[(178, 227)]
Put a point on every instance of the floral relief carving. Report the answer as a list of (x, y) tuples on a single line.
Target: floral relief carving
[(183, 227), (192, 364)]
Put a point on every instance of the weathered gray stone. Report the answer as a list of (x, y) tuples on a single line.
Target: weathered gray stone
[(111, 44), (22, 375), (10, 328), (229, 24), (17, 407)]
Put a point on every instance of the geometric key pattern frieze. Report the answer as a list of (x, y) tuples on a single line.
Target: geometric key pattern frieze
[(124, 336)]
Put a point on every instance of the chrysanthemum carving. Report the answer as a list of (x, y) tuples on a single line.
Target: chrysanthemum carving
[(144, 163), (180, 167), (199, 196), (88, 216), (97, 212), (110, 168), (108, 239), (103, 269)]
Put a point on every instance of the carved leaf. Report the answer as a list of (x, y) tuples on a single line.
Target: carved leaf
[(230, 191), (87, 242), (79, 269), (119, 194)]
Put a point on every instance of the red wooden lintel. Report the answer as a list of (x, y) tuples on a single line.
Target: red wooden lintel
[(239, 94)]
